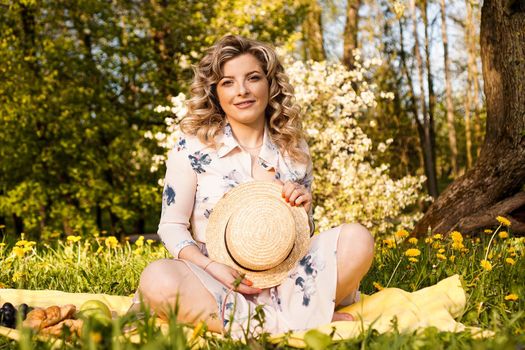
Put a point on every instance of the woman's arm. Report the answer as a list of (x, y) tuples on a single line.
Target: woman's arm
[(178, 199)]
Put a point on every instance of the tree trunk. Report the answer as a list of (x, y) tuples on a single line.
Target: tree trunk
[(473, 53), (431, 99), (452, 140), (350, 34), (495, 184), (412, 95), (468, 127), (313, 33), (424, 126)]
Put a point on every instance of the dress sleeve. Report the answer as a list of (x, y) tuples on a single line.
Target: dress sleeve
[(178, 198), (308, 180)]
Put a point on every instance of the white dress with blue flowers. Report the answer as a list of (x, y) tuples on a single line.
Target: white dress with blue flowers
[(197, 177)]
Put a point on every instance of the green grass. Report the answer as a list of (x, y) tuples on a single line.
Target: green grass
[(105, 266)]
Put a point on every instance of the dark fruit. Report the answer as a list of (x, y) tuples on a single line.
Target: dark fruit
[(8, 318), (8, 315), (23, 310), (8, 306)]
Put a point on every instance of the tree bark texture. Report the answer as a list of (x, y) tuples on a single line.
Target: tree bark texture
[(472, 39), (350, 34), (313, 33), (424, 126), (452, 140), (495, 185)]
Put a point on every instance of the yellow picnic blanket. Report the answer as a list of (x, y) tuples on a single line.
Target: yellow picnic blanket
[(434, 306)]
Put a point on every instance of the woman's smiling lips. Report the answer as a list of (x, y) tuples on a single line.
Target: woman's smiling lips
[(244, 104)]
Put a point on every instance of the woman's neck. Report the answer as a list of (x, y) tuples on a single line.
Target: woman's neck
[(248, 135)]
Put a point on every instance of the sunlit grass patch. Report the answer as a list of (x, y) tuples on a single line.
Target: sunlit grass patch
[(490, 264)]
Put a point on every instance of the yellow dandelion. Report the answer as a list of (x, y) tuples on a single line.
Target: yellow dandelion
[(438, 236), (73, 239), (377, 286), (140, 241), (441, 256), (389, 242), (150, 241), (437, 245), (2, 244), (111, 242), (458, 246), (429, 240), (487, 230), (441, 251), (502, 220), (24, 243), (503, 234), (452, 258), (511, 297), (510, 261), (17, 276), (485, 264), (413, 260), (19, 252), (412, 252), (2, 226), (456, 236), (412, 240), (401, 234)]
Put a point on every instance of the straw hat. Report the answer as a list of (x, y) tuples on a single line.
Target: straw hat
[(254, 230)]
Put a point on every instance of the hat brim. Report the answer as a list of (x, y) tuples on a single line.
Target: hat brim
[(237, 198)]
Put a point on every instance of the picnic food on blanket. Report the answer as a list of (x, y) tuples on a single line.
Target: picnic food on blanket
[(41, 318), (95, 308), (8, 314), (98, 312), (75, 326)]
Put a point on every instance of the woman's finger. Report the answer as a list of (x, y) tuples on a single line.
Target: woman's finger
[(298, 192), (244, 289), (289, 188)]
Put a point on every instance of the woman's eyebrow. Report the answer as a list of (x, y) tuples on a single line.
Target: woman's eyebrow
[(231, 77)]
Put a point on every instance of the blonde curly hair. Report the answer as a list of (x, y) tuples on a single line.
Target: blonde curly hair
[(205, 117)]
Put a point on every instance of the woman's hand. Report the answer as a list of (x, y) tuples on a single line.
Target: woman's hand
[(230, 278), (297, 194)]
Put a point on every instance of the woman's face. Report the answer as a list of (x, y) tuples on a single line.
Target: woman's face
[(243, 90)]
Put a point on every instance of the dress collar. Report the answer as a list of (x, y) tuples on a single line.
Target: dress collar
[(269, 154)]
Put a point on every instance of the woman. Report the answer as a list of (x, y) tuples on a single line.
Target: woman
[(244, 125)]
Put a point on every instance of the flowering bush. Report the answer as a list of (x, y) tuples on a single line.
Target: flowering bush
[(349, 186)]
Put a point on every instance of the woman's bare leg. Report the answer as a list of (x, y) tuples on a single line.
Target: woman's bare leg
[(355, 252), (164, 283)]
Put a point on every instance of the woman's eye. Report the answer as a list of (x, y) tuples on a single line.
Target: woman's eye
[(255, 77), (226, 83)]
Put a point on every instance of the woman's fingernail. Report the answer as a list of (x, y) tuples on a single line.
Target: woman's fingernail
[(248, 282)]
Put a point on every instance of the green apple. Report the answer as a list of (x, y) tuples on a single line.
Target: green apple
[(97, 310)]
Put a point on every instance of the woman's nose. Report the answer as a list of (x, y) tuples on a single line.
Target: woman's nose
[(243, 90)]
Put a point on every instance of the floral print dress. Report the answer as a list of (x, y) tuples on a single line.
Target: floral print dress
[(197, 177)]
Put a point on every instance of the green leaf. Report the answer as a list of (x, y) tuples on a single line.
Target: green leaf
[(317, 340)]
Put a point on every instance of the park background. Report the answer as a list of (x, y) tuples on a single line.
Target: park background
[(407, 128)]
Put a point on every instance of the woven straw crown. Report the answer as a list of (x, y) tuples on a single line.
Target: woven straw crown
[(253, 230)]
